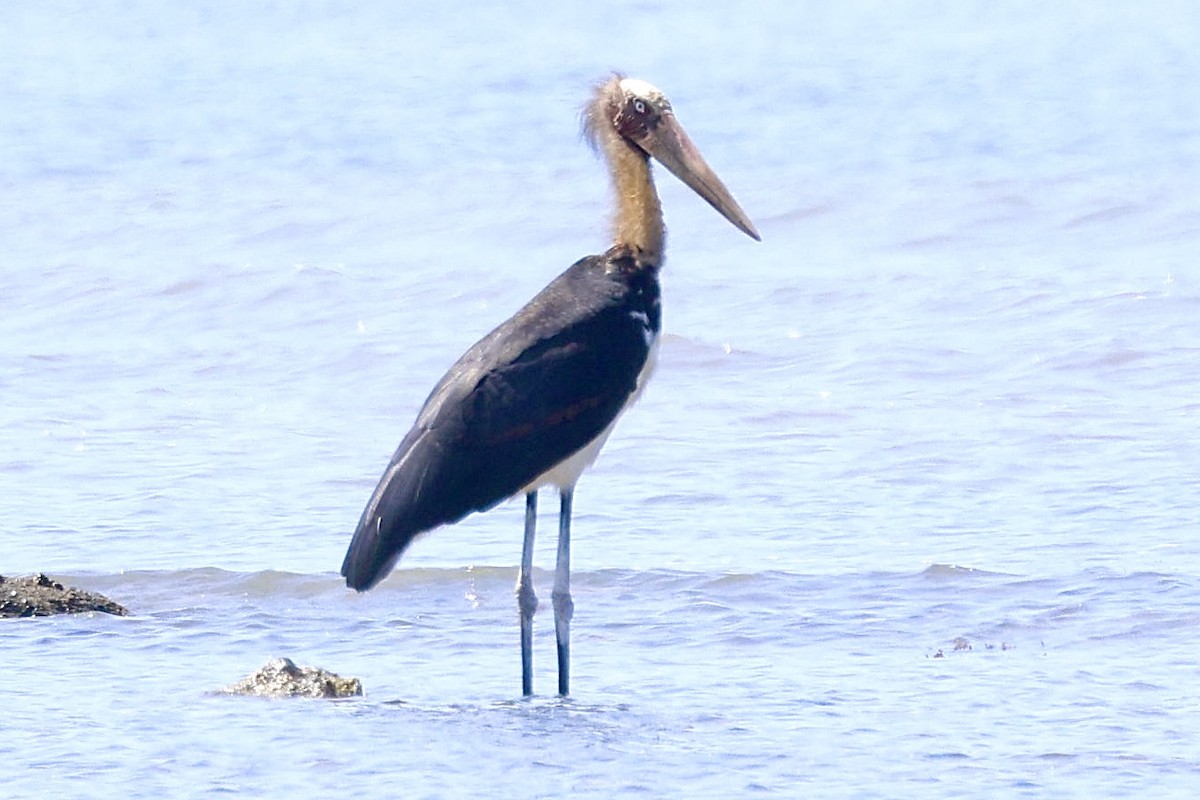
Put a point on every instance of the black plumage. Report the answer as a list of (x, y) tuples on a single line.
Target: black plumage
[(525, 397)]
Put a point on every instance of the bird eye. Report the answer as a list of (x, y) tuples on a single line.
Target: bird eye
[(639, 106)]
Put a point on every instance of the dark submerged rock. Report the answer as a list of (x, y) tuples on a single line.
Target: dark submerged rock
[(280, 677), (40, 596)]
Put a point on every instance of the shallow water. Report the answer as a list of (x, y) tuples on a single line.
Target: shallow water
[(909, 508)]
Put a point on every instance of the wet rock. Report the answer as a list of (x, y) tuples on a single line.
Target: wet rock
[(280, 677), (40, 596)]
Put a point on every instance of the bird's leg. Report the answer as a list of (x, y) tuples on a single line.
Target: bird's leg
[(563, 606), (526, 599)]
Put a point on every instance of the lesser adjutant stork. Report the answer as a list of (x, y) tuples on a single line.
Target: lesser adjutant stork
[(532, 403)]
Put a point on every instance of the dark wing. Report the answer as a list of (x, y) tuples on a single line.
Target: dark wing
[(527, 396)]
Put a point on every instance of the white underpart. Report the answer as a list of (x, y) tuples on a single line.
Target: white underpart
[(564, 474)]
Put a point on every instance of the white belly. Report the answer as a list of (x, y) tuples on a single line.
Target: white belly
[(564, 474)]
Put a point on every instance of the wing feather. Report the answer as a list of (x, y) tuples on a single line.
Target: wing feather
[(516, 404)]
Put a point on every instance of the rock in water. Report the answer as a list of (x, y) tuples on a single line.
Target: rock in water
[(280, 677), (39, 596)]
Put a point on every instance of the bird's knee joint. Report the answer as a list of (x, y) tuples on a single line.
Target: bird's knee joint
[(564, 606), (527, 601)]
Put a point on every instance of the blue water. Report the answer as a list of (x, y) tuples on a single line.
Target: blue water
[(909, 509)]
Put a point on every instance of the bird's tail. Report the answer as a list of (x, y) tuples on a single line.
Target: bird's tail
[(413, 496), (368, 560)]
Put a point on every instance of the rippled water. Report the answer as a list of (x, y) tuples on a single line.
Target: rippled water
[(910, 507)]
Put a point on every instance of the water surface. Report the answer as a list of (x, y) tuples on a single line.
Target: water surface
[(909, 509)]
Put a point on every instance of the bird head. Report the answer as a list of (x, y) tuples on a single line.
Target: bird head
[(641, 116)]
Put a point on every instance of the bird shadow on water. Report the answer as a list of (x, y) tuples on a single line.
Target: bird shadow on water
[(527, 707), (533, 716)]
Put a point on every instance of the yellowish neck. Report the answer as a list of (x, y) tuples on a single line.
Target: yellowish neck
[(638, 221)]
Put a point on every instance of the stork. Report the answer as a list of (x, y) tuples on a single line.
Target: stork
[(532, 403)]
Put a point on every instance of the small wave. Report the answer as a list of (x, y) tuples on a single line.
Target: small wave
[(955, 571)]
